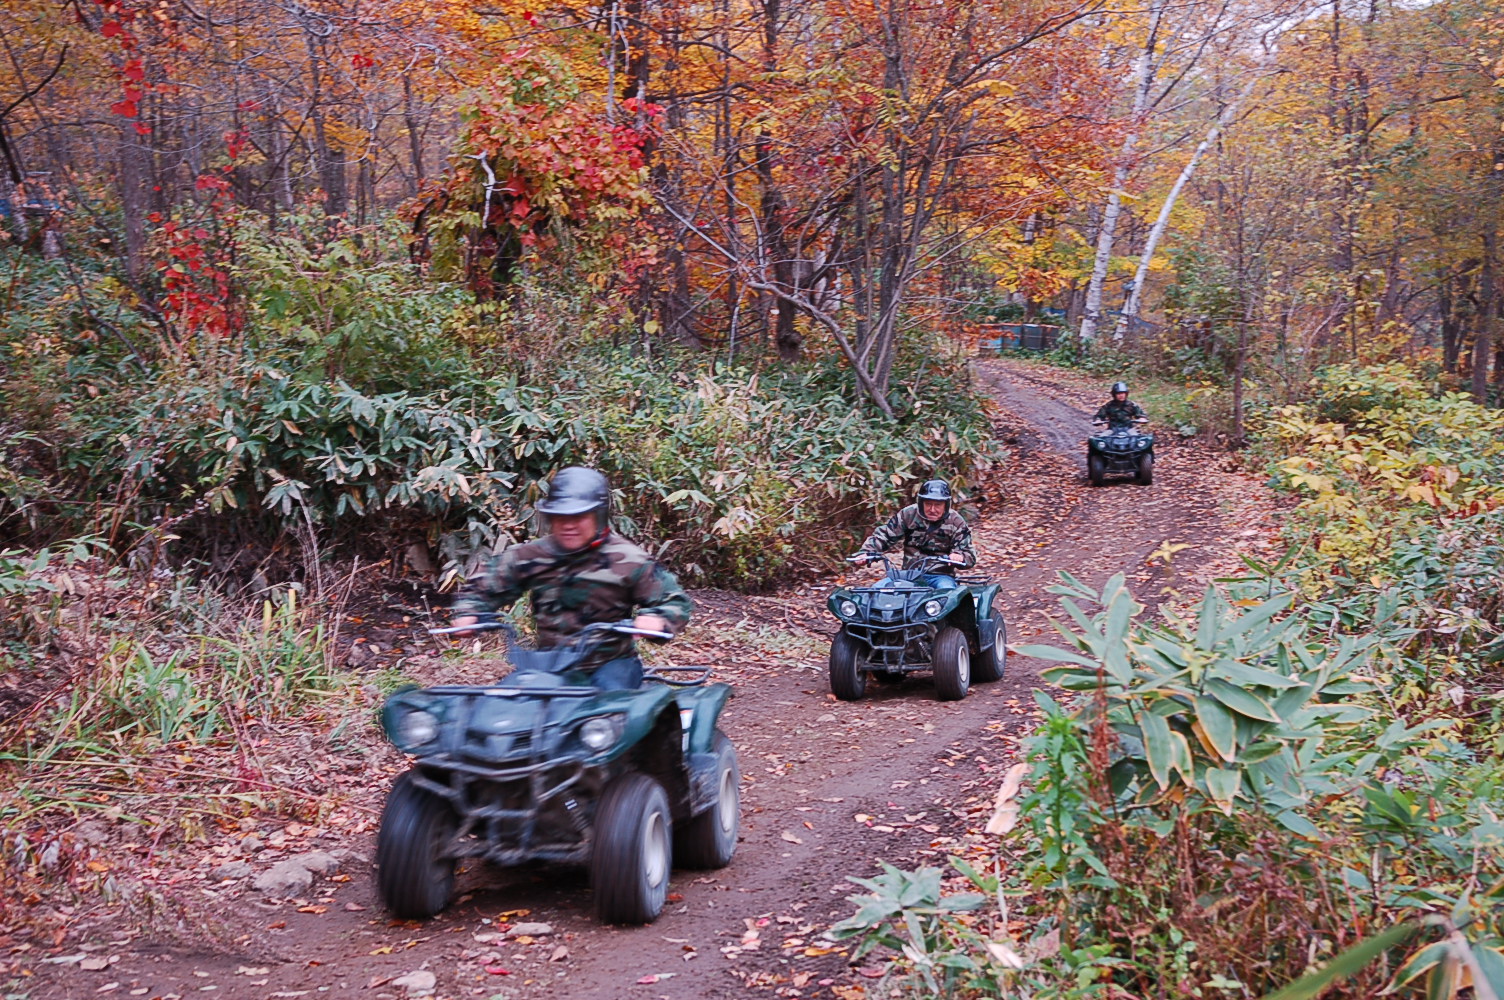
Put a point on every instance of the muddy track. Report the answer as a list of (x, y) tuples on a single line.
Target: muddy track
[(899, 759)]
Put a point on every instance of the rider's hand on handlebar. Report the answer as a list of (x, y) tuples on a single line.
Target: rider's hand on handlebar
[(956, 558), (464, 622), (861, 558), (650, 623)]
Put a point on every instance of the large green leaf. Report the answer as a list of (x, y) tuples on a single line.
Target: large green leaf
[(1422, 961), (1206, 623), (1240, 673), (1245, 625), (1298, 824), (1345, 964), (1057, 654), (1218, 725), (1222, 786), (1240, 701), (1159, 746), (1491, 962)]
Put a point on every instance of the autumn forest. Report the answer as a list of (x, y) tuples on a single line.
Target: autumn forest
[(306, 300)]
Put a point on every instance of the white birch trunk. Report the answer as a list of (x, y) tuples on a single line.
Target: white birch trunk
[(1141, 274), (1144, 72)]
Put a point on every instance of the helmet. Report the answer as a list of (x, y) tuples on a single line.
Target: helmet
[(578, 490), (1118, 387), (936, 489)]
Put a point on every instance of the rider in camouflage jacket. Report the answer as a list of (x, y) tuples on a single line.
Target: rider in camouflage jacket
[(606, 580), (1119, 411), (922, 537)]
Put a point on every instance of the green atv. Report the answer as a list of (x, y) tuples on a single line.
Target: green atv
[(544, 767), (903, 626)]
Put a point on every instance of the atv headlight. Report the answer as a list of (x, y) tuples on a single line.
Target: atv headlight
[(602, 731), (415, 729), (847, 609), (932, 608)]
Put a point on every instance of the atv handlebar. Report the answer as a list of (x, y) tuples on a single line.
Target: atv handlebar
[(490, 624), (924, 565)]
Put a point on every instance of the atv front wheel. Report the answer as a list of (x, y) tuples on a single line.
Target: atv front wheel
[(709, 840), (848, 681), (633, 837), (414, 872), (952, 664), (1096, 469), (990, 662), (1146, 470)]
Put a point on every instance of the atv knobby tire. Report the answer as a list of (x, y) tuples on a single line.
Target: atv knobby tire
[(1096, 469), (1146, 470), (709, 839), (848, 681), (952, 664), (990, 662), (413, 872), (633, 851)]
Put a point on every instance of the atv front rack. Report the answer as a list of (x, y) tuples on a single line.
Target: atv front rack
[(889, 644), (658, 674), (569, 691)]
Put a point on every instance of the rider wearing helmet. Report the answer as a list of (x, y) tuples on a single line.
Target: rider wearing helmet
[(927, 527), (581, 572), (1118, 411)]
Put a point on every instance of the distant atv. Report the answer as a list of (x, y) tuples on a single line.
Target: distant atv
[(1123, 450), (541, 766), (901, 627)]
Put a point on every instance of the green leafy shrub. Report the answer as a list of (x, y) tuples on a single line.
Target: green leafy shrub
[(363, 402)]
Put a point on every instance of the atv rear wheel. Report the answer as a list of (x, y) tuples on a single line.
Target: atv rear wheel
[(952, 664), (709, 840), (414, 873), (848, 681), (630, 864), (1146, 470), (1096, 469), (990, 662)]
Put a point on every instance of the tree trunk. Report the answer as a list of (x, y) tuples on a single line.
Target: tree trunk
[(1488, 311), (1141, 274), (1144, 73), (1451, 327), (414, 138), (134, 202)]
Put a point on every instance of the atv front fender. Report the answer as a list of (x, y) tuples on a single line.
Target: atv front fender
[(703, 705)]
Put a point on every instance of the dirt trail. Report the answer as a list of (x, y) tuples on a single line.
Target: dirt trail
[(811, 764)]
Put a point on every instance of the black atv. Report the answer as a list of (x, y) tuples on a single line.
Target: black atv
[(1123, 450), (544, 767), (901, 627)]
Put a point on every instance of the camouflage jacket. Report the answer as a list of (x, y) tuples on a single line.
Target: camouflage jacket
[(1116, 413), (924, 538), (570, 590)]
